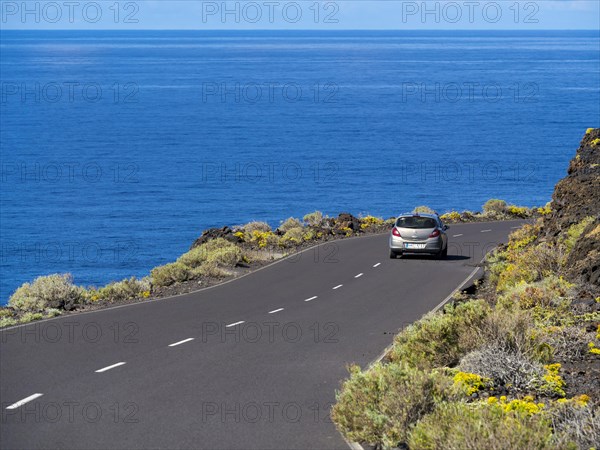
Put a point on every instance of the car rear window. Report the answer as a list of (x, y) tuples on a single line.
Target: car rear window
[(416, 222)]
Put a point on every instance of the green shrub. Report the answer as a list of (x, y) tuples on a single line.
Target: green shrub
[(52, 312), (494, 207), (194, 258), (518, 331), (8, 322), (314, 219), (211, 269), (459, 426), (423, 210), (292, 237), (522, 237), (127, 289), (51, 291), (290, 224), (217, 250), (524, 261), (225, 256), (575, 421), (550, 291), (379, 405), (574, 232), (170, 273), (30, 317), (256, 226), (439, 340)]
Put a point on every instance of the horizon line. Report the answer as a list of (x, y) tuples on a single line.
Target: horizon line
[(299, 29)]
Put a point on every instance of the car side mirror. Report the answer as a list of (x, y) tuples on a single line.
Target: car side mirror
[(446, 227)]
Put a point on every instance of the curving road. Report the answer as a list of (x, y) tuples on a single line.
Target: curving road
[(250, 364)]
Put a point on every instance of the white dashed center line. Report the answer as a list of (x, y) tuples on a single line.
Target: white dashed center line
[(485, 231), (375, 265), (514, 228), (181, 342), (234, 324), (25, 400), (338, 286), (275, 310), (309, 299), (358, 276), (110, 367), (457, 235)]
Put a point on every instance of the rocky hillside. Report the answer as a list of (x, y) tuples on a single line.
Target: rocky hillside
[(577, 197)]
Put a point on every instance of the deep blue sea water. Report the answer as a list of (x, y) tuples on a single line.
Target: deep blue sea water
[(119, 148)]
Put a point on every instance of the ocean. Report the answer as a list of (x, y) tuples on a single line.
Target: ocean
[(119, 147)]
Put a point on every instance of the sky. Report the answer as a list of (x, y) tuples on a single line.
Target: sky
[(301, 14)]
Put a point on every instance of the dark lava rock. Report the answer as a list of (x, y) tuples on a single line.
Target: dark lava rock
[(578, 194), (584, 260), (576, 197), (214, 233), (346, 220)]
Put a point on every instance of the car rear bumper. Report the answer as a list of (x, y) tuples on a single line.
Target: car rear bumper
[(399, 245)]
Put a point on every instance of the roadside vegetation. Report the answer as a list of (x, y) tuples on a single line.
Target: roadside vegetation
[(219, 254), (514, 363), (488, 370)]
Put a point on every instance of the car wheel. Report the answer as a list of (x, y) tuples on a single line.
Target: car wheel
[(440, 254), (393, 254), (445, 252)]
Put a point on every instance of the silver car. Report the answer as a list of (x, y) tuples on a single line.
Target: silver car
[(419, 233)]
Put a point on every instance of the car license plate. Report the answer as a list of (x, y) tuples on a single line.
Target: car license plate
[(415, 246)]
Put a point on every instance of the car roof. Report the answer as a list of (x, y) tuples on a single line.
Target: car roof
[(431, 216)]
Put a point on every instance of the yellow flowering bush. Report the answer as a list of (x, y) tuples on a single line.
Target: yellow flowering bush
[(263, 238), (471, 382), (552, 383), (545, 210), (593, 349), (519, 211), (452, 216), (369, 221)]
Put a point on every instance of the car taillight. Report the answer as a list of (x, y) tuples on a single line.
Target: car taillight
[(395, 232), (435, 233)]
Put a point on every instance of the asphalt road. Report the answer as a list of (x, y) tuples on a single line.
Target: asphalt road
[(255, 364)]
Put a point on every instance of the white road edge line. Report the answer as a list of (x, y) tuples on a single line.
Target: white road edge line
[(485, 231), (457, 235), (359, 275), (181, 342), (514, 228), (309, 299), (109, 367), (275, 310), (337, 287), (22, 402), (234, 324), (375, 265)]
